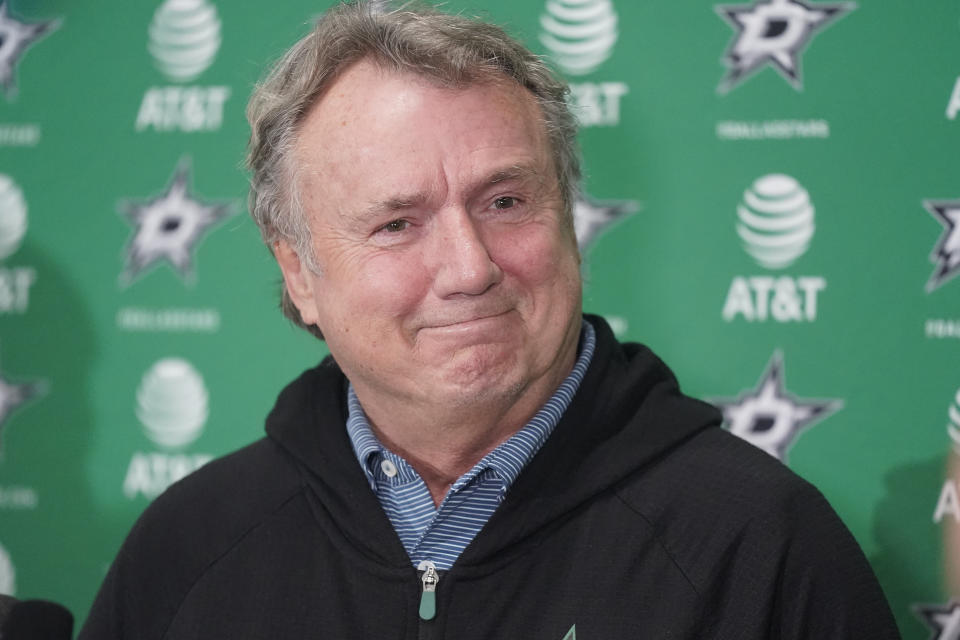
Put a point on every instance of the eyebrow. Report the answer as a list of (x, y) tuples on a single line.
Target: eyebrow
[(516, 172), (381, 207)]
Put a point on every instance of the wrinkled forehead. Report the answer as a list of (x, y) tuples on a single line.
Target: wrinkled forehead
[(351, 87), (372, 116), (444, 74)]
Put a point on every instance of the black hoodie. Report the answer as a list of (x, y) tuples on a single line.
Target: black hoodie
[(639, 518)]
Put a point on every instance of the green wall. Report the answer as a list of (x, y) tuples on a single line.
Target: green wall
[(772, 207)]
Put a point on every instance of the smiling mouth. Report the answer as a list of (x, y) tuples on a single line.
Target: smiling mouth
[(467, 323)]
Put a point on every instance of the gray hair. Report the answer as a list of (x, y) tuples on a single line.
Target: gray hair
[(451, 50)]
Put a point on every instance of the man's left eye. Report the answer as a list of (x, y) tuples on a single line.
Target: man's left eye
[(395, 226), (505, 202)]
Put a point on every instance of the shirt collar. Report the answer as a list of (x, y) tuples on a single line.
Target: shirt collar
[(507, 460)]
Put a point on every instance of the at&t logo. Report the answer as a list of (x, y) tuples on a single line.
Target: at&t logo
[(580, 36), (953, 422), (13, 217), (775, 223), (15, 282), (183, 40), (8, 576), (172, 405), (948, 504)]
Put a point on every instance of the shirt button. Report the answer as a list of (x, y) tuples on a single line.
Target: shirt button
[(389, 469)]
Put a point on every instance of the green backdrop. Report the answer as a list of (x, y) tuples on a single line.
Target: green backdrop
[(771, 203)]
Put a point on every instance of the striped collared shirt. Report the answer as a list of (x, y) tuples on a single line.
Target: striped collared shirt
[(441, 534)]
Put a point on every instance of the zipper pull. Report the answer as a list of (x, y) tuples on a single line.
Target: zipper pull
[(428, 598)]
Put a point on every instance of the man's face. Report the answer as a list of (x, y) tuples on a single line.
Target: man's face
[(447, 274)]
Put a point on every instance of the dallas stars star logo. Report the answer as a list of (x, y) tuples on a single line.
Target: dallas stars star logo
[(943, 620), (591, 217), (774, 32), (15, 37), (768, 416), (946, 253), (169, 227), (13, 396)]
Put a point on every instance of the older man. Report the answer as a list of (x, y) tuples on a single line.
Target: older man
[(477, 459)]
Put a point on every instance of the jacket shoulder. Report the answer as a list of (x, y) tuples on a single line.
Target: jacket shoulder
[(183, 533), (708, 492), (757, 541), (717, 466), (240, 488)]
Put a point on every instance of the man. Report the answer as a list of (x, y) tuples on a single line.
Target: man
[(477, 459)]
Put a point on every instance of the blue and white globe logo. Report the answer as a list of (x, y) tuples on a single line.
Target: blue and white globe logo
[(953, 422), (775, 221), (184, 38), (172, 403), (8, 576), (579, 34), (13, 216)]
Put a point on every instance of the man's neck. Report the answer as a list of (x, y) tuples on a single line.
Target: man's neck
[(442, 447)]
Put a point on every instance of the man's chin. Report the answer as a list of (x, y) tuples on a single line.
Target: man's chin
[(479, 375)]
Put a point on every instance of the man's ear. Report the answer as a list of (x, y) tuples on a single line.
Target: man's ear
[(298, 280)]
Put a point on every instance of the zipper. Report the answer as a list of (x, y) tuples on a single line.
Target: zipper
[(428, 596)]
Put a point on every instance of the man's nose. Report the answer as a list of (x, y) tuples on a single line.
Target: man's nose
[(461, 257)]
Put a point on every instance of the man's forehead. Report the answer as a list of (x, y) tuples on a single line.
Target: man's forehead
[(434, 77), (368, 90), (404, 125)]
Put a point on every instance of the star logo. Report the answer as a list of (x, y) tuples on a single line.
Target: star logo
[(12, 396), (942, 620), (774, 32), (768, 416), (591, 217), (946, 253), (170, 226), (15, 38)]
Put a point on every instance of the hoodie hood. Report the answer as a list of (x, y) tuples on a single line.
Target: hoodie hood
[(627, 414)]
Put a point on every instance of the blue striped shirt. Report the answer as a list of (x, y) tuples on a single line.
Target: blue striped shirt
[(440, 534)]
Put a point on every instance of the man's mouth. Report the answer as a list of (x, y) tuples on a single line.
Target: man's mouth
[(467, 321)]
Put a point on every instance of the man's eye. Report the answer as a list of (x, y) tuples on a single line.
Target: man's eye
[(505, 202), (395, 226)]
